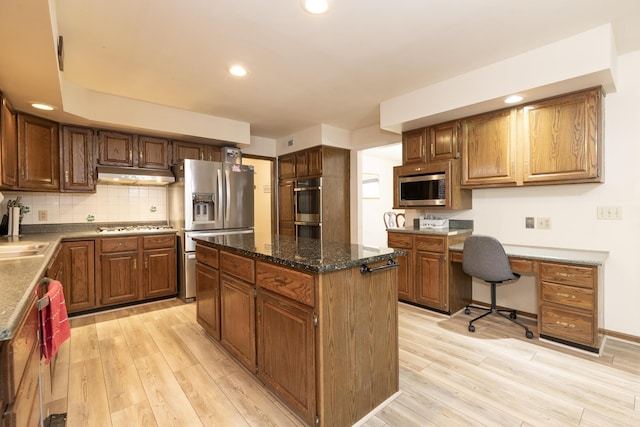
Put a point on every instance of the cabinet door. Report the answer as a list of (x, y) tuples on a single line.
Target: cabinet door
[(414, 146), (562, 140), (159, 273), (153, 153), (314, 161), (286, 352), (430, 280), (76, 159), (489, 149), (405, 278), (78, 268), (443, 142), (38, 152), (118, 277), (302, 165), (208, 299), (187, 150), (8, 145), (286, 212), (116, 149), (287, 166), (238, 328)]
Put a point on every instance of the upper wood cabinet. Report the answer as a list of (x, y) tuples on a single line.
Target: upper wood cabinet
[(414, 146), (192, 150), (8, 145), (38, 152), (287, 166), (563, 140), (489, 149), (442, 142), (553, 141), (115, 149), (153, 153), (77, 167)]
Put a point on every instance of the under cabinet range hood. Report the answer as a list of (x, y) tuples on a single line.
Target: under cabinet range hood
[(133, 176)]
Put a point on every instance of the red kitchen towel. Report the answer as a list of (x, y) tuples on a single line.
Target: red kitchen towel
[(54, 322)]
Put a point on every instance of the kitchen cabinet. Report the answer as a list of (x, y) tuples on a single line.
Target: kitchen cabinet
[(159, 270), (8, 145), (309, 162), (563, 139), (237, 308), (287, 166), (414, 146), (286, 213), (19, 361), (208, 290), (192, 150), (115, 148), (38, 154), (285, 321), (489, 144), (568, 303), (442, 142), (77, 160), (118, 275), (153, 153), (74, 267), (426, 277), (552, 141)]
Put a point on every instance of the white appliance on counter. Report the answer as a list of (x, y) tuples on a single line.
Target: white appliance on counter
[(207, 199)]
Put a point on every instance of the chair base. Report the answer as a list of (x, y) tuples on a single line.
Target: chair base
[(512, 313)]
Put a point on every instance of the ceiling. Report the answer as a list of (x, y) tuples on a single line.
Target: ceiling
[(304, 70)]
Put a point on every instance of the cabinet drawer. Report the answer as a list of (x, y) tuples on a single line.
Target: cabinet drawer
[(207, 255), (567, 324), (119, 244), (15, 354), (159, 241), (430, 243), (568, 274), (293, 284), (239, 266), (522, 265), (400, 241), (571, 296)]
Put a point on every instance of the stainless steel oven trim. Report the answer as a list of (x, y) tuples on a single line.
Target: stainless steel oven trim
[(426, 177)]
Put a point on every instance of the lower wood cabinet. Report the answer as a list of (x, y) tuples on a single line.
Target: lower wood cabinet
[(118, 275), (426, 277), (159, 277), (78, 275)]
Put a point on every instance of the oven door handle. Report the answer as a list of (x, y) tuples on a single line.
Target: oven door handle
[(308, 223)]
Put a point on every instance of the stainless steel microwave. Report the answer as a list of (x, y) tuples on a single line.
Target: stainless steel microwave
[(428, 189)]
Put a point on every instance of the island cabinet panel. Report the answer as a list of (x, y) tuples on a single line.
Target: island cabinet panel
[(290, 283), (489, 149), (208, 301), (239, 266), (286, 351), (562, 140), (238, 326)]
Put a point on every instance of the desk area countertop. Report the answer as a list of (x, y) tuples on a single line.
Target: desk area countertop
[(574, 256)]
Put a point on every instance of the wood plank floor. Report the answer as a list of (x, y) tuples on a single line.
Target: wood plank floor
[(152, 365)]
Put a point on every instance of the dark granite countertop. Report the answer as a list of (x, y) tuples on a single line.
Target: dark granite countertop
[(19, 276), (311, 255)]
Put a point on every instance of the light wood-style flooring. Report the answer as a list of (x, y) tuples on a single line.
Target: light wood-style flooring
[(152, 365)]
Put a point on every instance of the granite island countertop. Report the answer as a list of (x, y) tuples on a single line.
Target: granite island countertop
[(19, 276), (313, 255)]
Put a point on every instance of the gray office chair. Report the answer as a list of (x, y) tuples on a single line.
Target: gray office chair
[(484, 257)]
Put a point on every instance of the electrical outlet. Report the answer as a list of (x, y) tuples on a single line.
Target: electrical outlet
[(543, 223), (42, 215), (609, 212), (529, 222)]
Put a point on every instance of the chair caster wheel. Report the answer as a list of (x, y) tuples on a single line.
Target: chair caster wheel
[(472, 328), (512, 315), (529, 334), (467, 311)]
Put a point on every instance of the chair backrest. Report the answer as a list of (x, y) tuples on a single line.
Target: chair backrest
[(484, 257)]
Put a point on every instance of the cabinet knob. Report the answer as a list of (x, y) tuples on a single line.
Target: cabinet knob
[(66, 176)]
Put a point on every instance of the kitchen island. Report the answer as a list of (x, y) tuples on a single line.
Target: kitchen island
[(316, 321)]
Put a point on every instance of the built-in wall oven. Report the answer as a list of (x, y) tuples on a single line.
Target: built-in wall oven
[(307, 202)]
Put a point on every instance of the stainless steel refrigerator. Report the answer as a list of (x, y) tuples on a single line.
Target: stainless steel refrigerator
[(207, 199)]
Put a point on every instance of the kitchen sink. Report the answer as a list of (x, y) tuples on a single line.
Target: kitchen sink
[(13, 250)]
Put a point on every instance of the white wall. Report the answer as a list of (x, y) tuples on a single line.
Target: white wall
[(261, 194)]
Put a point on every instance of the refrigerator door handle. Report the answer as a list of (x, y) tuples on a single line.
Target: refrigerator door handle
[(227, 196), (218, 209)]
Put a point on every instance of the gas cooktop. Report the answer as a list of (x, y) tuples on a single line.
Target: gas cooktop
[(133, 228)]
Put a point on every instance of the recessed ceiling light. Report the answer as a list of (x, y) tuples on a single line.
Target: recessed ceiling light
[(513, 99), (41, 106), (238, 70), (317, 7)]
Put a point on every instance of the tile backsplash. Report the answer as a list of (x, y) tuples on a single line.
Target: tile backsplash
[(110, 203)]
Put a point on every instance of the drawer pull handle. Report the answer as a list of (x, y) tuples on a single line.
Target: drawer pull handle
[(565, 324), (280, 281), (562, 294), (568, 275)]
